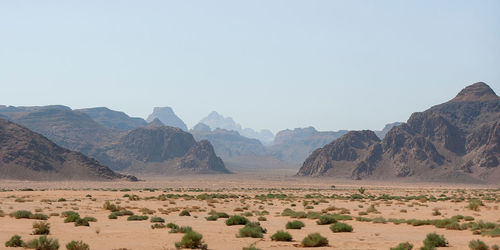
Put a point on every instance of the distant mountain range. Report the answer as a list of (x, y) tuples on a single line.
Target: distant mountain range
[(27, 155), (167, 116), (455, 141), (148, 149), (216, 121)]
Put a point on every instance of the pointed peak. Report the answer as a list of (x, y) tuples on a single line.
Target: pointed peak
[(478, 91), (156, 123)]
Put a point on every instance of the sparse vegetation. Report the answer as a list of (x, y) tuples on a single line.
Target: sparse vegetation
[(77, 245), (15, 241), (339, 227), (41, 228), (296, 224), (43, 243), (192, 240), (403, 246), (236, 220), (252, 230), (314, 240), (281, 236)]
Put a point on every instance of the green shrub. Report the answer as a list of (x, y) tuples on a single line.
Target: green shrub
[(184, 213), (192, 240), (39, 217), (81, 222), (478, 245), (172, 225), (158, 225), (15, 241), (77, 245), (403, 246), (251, 247), (183, 229), (41, 228), (21, 214), (326, 220), (212, 217), (43, 243), (474, 204), (72, 218), (340, 227), (157, 219), (296, 224), (435, 240), (111, 207), (137, 217), (90, 218), (379, 220), (236, 220), (281, 236), (113, 216), (252, 230), (492, 233), (314, 240), (68, 213), (262, 218)]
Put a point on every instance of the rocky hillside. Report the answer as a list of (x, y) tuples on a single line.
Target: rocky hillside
[(27, 155), (113, 119), (381, 133), (455, 141), (167, 116), (154, 148), (295, 145)]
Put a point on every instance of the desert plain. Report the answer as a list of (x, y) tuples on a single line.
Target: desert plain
[(381, 214)]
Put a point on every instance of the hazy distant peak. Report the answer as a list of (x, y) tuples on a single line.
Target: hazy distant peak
[(202, 127), (156, 123), (478, 91), (167, 116)]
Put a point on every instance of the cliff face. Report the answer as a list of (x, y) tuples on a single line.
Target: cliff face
[(113, 119), (454, 141), (27, 155)]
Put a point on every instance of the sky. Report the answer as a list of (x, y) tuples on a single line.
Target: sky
[(268, 64)]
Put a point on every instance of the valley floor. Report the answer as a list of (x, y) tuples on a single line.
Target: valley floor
[(381, 216)]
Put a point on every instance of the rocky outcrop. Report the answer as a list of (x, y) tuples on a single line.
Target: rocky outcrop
[(295, 145), (167, 116), (455, 141), (27, 155), (113, 119), (152, 149)]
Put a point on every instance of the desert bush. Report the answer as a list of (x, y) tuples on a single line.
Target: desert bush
[(111, 207), (172, 225), (262, 218), (281, 236), (158, 226), (296, 224), (77, 245), (90, 218), (72, 218), (137, 217), (41, 228), (68, 213), (478, 245), (184, 213), (236, 220), (39, 217), (43, 243), (212, 217), (252, 230), (192, 240), (468, 218), (379, 220), (81, 222), (15, 241), (314, 240), (403, 246), (113, 216), (183, 229), (474, 204), (340, 227), (492, 233), (21, 214), (251, 247), (434, 240), (157, 219), (326, 220)]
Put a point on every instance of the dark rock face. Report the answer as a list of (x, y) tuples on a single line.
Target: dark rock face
[(455, 141), (295, 145), (167, 116), (154, 148), (30, 156), (113, 119)]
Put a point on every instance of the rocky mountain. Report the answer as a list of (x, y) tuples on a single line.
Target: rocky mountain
[(113, 119), (27, 155), (381, 133), (167, 116), (229, 144), (215, 120), (151, 149), (455, 141), (295, 145)]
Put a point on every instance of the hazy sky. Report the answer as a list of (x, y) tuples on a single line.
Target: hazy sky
[(268, 64)]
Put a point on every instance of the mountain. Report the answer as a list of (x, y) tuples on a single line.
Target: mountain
[(457, 141), (151, 149), (167, 116), (113, 119), (295, 145), (27, 155), (215, 120), (381, 133), (229, 144)]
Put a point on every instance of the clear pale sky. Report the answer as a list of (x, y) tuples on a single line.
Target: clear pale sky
[(268, 64)]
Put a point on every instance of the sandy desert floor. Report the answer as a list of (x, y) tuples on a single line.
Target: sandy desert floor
[(382, 216)]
